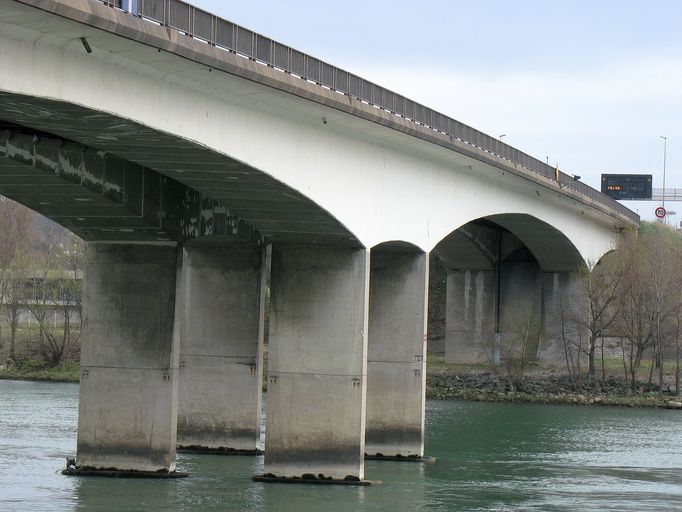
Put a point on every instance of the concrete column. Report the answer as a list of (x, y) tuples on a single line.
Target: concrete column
[(317, 369), (470, 316), (221, 347), (564, 308), (128, 391), (396, 361), (520, 310)]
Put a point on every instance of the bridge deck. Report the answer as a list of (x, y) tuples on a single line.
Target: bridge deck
[(190, 32)]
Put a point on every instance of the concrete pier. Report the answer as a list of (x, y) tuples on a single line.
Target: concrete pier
[(470, 316), (520, 310), (221, 347), (129, 359), (317, 363), (396, 361), (564, 308)]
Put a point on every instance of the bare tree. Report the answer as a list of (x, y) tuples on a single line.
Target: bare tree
[(602, 292), (518, 330), (16, 235), (13, 291), (573, 342), (677, 344), (636, 320), (665, 281), (55, 292), (650, 298)]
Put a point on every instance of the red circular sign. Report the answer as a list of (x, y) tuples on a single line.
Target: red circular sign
[(660, 212)]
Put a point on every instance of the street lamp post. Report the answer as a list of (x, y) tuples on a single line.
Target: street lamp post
[(665, 148)]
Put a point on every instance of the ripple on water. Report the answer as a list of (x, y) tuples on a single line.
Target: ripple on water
[(491, 457)]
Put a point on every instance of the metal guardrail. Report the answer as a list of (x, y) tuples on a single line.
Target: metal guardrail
[(671, 194), (216, 31)]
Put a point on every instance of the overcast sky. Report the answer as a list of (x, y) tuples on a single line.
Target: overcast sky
[(591, 84)]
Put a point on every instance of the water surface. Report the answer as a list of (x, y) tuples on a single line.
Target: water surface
[(490, 457)]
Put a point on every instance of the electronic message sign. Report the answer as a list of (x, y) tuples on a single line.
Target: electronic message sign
[(626, 186)]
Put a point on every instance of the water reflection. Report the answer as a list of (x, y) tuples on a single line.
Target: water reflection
[(490, 457)]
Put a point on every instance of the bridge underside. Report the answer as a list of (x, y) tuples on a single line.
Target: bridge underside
[(101, 197), (279, 213), (475, 245), (514, 285)]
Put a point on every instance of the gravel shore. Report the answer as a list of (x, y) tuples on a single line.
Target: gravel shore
[(546, 387)]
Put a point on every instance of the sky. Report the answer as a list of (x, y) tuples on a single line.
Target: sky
[(588, 85)]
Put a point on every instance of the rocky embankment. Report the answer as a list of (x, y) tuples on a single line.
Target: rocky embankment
[(546, 387)]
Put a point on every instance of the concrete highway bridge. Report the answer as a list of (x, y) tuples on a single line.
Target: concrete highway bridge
[(203, 163)]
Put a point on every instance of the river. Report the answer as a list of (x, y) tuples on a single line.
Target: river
[(489, 457)]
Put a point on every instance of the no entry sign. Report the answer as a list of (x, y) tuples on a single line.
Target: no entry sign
[(660, 212)]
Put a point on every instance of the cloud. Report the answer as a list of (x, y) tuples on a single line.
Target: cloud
[(590, 121), (487, 97)]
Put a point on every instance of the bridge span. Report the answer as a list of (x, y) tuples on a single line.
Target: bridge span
[(203, 164)]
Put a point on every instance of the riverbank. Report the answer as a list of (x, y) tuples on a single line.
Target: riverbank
[(542, 387), (37, 370), (452, 382)]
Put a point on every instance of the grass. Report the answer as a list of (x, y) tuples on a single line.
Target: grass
[(614, 366), (33, 369), (439, 363)]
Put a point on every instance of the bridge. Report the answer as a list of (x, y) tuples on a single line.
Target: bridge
[(205, 164)]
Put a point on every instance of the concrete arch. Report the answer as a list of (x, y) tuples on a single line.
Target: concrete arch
[(399, 246), (604, 257), (481, 243), (554, 251), (505, 274), (247, 199)]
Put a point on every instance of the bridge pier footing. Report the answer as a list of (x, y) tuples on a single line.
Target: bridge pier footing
[(221, 347), (317, 364), (128, 387), (396, 361)]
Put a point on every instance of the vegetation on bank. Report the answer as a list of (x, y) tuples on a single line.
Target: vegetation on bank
[(36, 369), (452, 381), (40, 290)]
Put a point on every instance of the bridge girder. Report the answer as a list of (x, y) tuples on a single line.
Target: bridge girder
[(101, 197)]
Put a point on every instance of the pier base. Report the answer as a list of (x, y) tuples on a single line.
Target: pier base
[(314, 480)]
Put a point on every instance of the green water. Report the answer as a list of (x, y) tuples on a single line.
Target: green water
[(490, 457)]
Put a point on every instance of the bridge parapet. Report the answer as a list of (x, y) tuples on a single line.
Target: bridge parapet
[(198, 24)]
